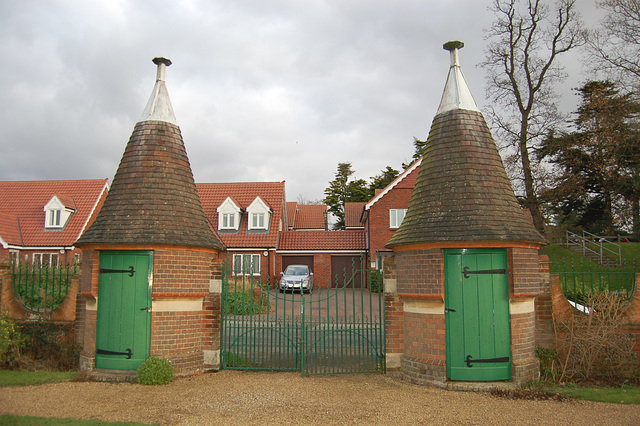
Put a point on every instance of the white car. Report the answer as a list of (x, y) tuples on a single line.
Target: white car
[(296, 277)]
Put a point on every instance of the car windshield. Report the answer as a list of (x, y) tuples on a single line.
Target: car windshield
[(296, 270)]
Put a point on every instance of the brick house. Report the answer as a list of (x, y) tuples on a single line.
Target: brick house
[(384, 213), (41, 220), (327, 253), (247, 217)]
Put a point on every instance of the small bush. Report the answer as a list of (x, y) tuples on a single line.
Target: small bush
[(11, 341), (155, 371), (594, 346), (376, 282), (245, 303), (49, 346), (548, 363)]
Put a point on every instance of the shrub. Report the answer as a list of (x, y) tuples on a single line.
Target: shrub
[(11, 341), (548, 363), (49, 345), (245, 303), (376, 282), (155, 371), (594, 345)]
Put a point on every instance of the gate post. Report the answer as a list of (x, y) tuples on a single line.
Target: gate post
[(544, 307), (213, 307), (393, 317)]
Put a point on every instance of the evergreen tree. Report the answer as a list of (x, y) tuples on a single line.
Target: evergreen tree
[(381, 180), (342, 190), (598, 163)]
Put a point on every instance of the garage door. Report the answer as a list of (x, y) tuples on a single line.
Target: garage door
[(342, 271), (297, 260)]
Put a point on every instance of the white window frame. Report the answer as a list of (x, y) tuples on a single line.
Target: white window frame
[(259, 215), (258, 221), (396, 216), (228, 212), (46, 259), (54, 218), (228, 221), (241, 261), (56, 214), (14, 257)]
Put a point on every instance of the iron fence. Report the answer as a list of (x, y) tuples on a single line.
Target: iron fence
[(41, 288), (581, 278), (336, 329)]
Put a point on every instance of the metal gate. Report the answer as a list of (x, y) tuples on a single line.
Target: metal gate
[(326, 331)]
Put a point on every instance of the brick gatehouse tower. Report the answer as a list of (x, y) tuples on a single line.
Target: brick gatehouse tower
[(150, 283), (465, 268)]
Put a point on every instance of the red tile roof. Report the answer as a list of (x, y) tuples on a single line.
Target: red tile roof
[(10, 230), (353, 214), (25, 200), (354, 240), (311, 216), (292, 208), (243, 193)]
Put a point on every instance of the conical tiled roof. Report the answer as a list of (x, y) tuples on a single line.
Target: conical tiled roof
[(462, 193), (153, 198)]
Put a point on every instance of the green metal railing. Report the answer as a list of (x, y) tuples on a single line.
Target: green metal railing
[(578, 279), (595, 246), (41, 288), (328, 331)]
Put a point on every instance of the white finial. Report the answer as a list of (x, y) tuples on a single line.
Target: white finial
[(159, 106), (456, 93), (162, 64), (453, 47)]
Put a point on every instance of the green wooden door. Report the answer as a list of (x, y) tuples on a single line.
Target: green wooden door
[(477, 315), (124, 314)]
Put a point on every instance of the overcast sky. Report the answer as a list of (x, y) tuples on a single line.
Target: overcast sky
[(263, 90)]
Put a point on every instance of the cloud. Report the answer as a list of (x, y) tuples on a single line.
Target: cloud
[(277, 90)]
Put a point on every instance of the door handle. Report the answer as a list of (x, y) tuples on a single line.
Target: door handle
[(449, 310), (148, 309)]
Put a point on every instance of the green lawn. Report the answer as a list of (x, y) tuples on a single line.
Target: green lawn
[(27, 378), (622, 395), (27, 420)]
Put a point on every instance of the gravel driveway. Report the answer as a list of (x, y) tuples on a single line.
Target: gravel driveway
[(234, 397)]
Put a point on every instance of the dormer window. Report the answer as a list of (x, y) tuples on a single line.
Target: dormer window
[(259, 215), (228, 215), (257, 220), (57, 212), (54, 218), (228, 221)]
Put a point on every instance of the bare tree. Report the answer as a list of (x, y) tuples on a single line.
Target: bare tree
[(614, 49), (524, 43)]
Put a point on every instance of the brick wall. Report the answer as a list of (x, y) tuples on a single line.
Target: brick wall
[(525, 364), (424, 336), (420, 271), (181, 272), (379, 231), (524, 271), (544, 308), (182, 335)]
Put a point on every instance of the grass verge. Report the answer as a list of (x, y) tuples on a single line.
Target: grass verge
[(28, 378), (616, 395), (8, 419)]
